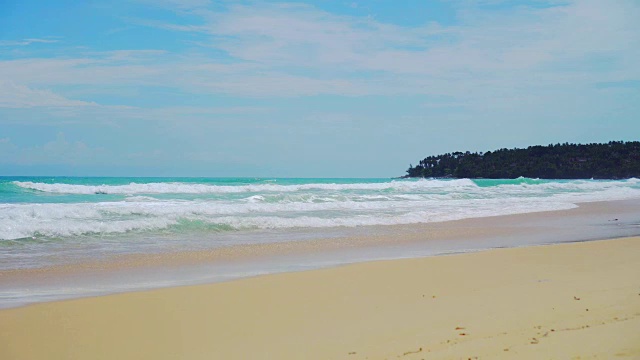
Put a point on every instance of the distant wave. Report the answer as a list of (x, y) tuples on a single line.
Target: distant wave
[(190, 188), (408, 186)]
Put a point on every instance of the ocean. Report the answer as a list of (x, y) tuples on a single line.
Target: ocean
[(48, 221)]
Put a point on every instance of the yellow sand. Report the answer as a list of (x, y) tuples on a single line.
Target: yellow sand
[(551, 302)]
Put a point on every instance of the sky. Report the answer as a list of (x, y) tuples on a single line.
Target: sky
[(306, 89)]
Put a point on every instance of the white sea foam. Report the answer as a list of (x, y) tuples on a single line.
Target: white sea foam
[(60, 220), (140, 198), (398, 186), (191, 188), (299, 210)]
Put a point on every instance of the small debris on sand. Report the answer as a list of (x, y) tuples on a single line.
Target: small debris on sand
[(413, 352)]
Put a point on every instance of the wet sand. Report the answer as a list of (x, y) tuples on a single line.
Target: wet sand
[(577, 300)]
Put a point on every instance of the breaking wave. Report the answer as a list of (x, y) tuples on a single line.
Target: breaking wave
[(179, 207), (62, 220), (190, 188)]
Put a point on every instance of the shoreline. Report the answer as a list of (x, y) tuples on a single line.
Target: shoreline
[(589, 221), (568, 300)]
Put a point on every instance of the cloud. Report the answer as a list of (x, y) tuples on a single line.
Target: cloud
[(302, 36), (26, 42), (20, 96), (131, 55), (58, 151), (7, 148), (178, 4), (291, 50)]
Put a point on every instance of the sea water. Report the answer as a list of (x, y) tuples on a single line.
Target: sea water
[(54, 220)]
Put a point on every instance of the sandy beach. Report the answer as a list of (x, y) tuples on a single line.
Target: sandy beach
[(302, 180), (565, 301)]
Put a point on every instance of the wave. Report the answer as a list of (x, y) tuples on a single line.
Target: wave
[(274, 206), (19, 221), (393, 186), (190, 188), (145, 215)]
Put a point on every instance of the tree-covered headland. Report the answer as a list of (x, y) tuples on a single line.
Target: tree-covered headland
[(613, 160)]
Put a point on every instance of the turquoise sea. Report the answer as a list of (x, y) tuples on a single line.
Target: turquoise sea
[(52, 220)]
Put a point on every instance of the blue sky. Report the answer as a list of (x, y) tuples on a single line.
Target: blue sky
[(309, 89)]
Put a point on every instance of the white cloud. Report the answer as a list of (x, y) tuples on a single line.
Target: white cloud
[(58, 151), (131, 55), (20, 96), (178, 4), (298, 50), (26, 42)]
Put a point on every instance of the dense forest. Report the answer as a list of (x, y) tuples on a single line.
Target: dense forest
[(613, 160)]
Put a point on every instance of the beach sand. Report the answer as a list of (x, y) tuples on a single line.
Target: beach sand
[(565, 301)]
